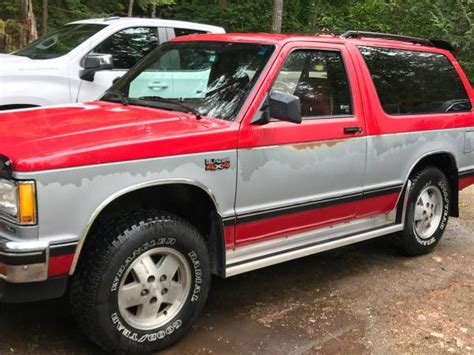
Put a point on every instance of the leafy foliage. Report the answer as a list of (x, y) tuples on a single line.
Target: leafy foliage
[(452, 20)]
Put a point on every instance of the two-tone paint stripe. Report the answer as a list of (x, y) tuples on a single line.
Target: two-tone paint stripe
[(311, 205), (466, 173), (466, 178), (60, 259)]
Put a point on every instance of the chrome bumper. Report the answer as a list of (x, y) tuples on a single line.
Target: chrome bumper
[(22, 262)]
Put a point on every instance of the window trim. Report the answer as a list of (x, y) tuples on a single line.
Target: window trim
[(349, 83), (407, 115)]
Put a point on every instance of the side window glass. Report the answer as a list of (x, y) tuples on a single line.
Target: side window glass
[(184, 60), (319, 79), (185, 32), (415, 82), (128, 46)]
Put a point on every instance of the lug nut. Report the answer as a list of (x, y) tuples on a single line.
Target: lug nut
[(151, 279), (154, 300), (145, 292), (164, 291), (163, 278)]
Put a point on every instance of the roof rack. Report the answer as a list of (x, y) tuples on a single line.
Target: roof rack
[(426, 42), (115, 15)]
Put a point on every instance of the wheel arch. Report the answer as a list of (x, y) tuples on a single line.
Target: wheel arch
[(446, 162), (213, 230)]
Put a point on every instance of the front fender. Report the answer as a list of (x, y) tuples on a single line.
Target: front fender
[(37, 89)]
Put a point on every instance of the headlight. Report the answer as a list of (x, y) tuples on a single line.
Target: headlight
[(8, 198), (18, 200)]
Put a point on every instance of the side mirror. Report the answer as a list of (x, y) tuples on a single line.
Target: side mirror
[(94, 63), (280, 106)]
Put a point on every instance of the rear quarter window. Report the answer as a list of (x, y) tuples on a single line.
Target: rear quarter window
[(415, 82)]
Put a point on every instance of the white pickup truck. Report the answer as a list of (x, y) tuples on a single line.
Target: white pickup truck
[(80, 61)]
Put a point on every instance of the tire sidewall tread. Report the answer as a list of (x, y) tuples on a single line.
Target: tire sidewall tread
[(103, 263), (428, 176)]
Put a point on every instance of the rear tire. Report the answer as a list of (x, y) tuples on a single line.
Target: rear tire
[(427, 215), (141, 282)]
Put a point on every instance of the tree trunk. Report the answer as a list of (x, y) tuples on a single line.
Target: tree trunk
[(29, 20), (130, 8), (222, 4), (44, 21), (277, 16), (153, 10)]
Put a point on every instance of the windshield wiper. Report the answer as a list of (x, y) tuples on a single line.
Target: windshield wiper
[(118, 94), (187, 108)]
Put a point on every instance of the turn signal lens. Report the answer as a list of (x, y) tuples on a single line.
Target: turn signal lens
[(27, 202)]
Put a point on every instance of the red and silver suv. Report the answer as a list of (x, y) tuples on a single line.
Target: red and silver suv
[(276, 148)]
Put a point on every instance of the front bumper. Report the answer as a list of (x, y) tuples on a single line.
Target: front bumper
[(22, 262), (33, 270)]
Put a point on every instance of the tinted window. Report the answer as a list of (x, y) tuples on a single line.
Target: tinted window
[(60, 42), (319, 79), (129, 45), (185, 32), (411, 82)]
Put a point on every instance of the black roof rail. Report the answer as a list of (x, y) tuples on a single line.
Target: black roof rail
[(426, 42), (439, 43), (115, 15)]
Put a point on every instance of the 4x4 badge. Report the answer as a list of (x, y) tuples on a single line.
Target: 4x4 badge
[(217, 163)]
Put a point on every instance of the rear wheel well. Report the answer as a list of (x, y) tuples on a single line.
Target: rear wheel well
[(184, 200), (447, 164)]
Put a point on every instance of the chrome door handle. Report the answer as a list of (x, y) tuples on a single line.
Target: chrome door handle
[(157, 86)]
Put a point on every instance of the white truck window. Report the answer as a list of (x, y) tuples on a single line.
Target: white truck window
[(128, 46), (60, 42)]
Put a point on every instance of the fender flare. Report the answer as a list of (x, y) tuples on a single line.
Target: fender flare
[(140, 186)]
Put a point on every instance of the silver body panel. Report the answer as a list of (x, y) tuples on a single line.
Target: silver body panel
[(277, 176), (391, 157), (70, 199)]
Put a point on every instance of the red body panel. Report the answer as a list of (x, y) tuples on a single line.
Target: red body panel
[(90, 134), (293, 223), (285, 225), (378, 122), (465, 182), (60, 265), (100, 132)]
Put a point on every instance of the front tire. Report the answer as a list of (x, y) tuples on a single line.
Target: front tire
[(427, 215), (141, 282)]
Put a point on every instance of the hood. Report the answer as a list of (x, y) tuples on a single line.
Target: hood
[(12, 59), (101, 132)]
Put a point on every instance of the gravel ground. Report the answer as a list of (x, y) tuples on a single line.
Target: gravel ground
[(366, 298)]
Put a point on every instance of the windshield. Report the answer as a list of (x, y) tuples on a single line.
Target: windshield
[(60, 42), (208, 78)]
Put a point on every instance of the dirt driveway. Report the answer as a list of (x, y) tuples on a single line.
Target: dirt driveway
[(365, 298)]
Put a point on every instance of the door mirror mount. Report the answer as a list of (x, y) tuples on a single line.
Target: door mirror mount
[(94, 63), (280, 106)]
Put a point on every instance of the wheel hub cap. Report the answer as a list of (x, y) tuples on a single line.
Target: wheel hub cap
[(154, 288), (428, 212)]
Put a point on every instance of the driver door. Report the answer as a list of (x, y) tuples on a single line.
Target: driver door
[(297, 177)]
